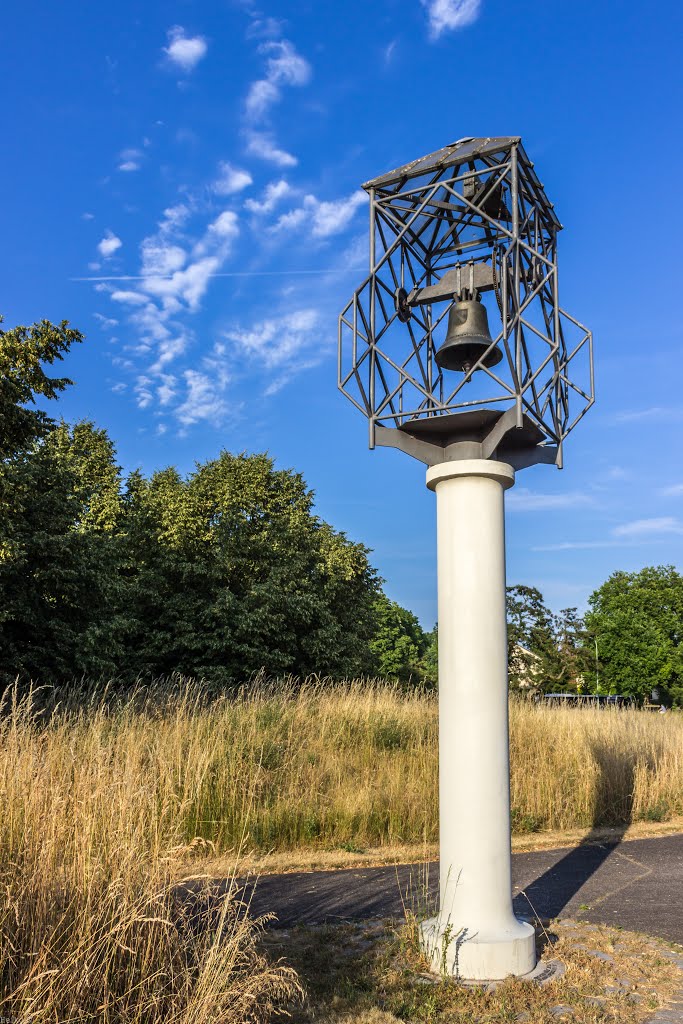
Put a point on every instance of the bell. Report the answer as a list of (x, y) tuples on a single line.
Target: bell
[(467, 338)]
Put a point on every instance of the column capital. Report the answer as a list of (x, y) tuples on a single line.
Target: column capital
[(499, 471)]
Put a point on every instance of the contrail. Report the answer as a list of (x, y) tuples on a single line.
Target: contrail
[(234, 273)]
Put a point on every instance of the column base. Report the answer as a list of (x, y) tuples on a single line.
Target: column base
[(471, 955)]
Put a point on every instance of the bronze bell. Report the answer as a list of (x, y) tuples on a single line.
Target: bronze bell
[(467, 338)]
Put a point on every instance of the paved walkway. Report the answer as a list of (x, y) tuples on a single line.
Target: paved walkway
[(637, 885)]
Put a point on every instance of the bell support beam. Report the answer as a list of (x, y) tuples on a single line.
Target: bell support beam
[(481, 280), (475, 934), (454, 280)]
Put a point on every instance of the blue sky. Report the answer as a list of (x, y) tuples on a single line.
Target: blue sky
[(181, 181)]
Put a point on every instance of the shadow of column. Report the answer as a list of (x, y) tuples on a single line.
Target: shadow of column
[(549, 894)]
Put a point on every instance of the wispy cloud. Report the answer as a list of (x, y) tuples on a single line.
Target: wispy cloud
[(143, 392), (522, 499), (130, 160), (160, 258), (188, 284), (674, 491), (331, 217), (389, 51), (624, 535), (175, 271), (277, 341), (325, 218), (578, 545), (273, 193), (654, 527), (279, 347), (653, 412), (264, 146), (205, 397), (100, 286), (204, 400), (264, 28), (110, 244), (129, 298), (231, 179), (356, 254), (166, 390), (284, 66), (185, 51), (448, 15), (107, 323), (281, 381), (170, 272)]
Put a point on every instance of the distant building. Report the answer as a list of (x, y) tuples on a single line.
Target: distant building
[(525, 668)]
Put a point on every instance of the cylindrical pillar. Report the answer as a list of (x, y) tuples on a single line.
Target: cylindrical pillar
[(475, 935)]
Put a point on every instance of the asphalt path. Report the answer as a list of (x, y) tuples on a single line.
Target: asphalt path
[(637, 885)]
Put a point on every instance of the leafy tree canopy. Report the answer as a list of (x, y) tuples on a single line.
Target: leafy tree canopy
[(547, 651), (58, 557), (23, 353), (228, 571), (399, 644), (637, 620), (530, 636)]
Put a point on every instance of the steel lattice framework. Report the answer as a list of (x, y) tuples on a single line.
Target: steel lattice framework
[(470, 220)]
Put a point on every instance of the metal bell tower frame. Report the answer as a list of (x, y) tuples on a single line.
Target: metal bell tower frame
[(470, 225), (471, 219)]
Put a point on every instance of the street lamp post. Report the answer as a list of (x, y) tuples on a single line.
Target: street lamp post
[(459, 238), (597, 668)]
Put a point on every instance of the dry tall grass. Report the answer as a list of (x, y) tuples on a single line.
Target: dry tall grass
[(99, 807), (90, 926), (357, 764)]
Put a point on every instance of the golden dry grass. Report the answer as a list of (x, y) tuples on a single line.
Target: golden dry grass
[(103, 804), (90, 928), (592, 767), (355, 766), (315, 765)]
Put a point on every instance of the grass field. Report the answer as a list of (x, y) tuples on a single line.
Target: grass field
[(315, 765), (103, 804), (90, 927)]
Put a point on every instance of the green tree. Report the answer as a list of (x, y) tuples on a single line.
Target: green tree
[(637, 620), (89, 454), (430, 658), (569, 662), (217, 575), (23, 380), (23, 353), (399, 642), (59, 569), (548, 651), (531, 648), (51, 596), (229, 571)]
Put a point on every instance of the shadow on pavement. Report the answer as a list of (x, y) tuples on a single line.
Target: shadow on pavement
[(549, 894)]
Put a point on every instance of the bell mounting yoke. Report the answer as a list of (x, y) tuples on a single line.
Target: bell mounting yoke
[(468, 221)]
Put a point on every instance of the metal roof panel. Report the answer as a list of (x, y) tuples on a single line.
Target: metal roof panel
[(454, 153)]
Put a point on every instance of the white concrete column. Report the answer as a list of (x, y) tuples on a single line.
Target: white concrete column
[(475, 934)]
